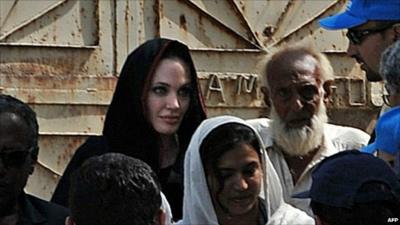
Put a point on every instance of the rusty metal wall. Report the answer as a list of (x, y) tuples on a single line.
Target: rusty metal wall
[(63, 58)]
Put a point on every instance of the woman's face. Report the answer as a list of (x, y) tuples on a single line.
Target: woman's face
[(169, 96), (241, 174)]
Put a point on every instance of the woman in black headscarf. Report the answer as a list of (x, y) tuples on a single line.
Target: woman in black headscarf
[(156, 107)]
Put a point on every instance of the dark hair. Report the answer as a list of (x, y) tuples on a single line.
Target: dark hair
[(9, 104), (221, 140), (366, 213), (384, 23), (390, 67), (114, 189)]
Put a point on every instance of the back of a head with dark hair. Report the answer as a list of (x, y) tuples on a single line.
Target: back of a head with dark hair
[(366, 213), (114, 189), (9, 104)]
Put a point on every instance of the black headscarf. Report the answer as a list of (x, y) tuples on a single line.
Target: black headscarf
[(126, 128), (128, 131)]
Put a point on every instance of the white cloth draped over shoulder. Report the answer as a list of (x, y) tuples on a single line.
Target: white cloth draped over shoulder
[(197, 203), (336, 139)]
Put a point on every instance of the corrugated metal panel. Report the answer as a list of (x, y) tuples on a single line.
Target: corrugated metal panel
[(63, 56)]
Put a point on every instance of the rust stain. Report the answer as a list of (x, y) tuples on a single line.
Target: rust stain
[(201, 21), (158, 11), (242, 6), (269, 31), (182, 22), (31, 99)]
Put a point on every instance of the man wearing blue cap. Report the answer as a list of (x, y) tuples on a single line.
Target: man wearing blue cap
[(354, 188), (372, 26), (387, 130)]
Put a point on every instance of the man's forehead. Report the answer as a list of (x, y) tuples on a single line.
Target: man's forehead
[(368, 25), (13, 128), (306, 63), (11, 119), (300, 70)]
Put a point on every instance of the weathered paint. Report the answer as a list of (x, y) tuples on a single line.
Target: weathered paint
[(63, 57)]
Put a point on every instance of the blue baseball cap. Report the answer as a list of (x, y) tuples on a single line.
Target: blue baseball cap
[(337, 180), (387, 132), (361, 11)]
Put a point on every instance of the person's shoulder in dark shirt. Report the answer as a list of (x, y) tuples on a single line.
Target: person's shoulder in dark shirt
[(40, 212)]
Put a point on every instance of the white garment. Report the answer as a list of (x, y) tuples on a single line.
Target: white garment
[(336, 139), (197, 203), (167, 209)]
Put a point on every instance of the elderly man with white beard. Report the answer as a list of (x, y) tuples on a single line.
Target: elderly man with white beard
[(297, 85)]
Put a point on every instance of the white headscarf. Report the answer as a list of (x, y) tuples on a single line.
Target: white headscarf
[(197, 203)]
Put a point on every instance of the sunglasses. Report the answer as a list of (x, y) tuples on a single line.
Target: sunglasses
[(357, 36), (14, 159)]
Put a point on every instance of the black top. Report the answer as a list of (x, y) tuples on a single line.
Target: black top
[(35, 211), (126, 128), (263, 218)]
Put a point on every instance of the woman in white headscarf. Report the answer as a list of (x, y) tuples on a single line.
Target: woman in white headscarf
[(226, 176)]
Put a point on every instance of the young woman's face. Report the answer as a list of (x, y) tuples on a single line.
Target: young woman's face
[(169, 96), (241, 174)]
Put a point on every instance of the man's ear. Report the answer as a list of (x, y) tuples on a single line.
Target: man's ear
[(69, 221), (327, 90), (33, 163), (318, 221), (396, 29), (266, 97)]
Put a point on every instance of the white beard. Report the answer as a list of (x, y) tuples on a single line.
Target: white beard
[(299, 141)]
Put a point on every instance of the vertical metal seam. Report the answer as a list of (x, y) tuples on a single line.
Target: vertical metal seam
[(157, 20), (114, 36)]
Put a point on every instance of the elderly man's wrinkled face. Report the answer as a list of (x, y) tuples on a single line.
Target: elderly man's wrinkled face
[(298, 111), (295, 91), (16, 162)]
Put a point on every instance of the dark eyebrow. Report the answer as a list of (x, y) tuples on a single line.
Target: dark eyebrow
[(250, 164), (226, 169), (161, 83), (188, 84), (12, 149)]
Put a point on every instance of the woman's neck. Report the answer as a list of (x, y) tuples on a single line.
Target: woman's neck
[(169, 149), (10, 219), (250, 218)]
